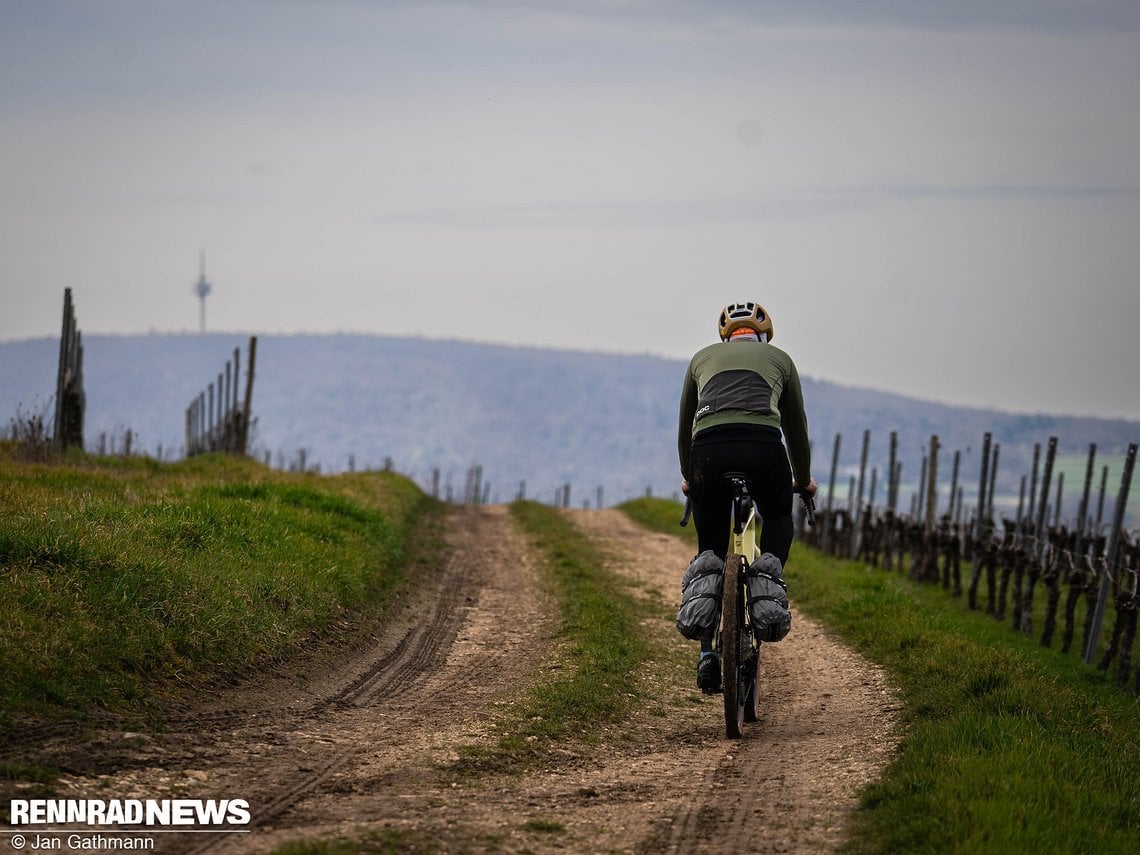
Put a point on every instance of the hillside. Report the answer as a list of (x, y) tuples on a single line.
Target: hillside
[(544, 416)]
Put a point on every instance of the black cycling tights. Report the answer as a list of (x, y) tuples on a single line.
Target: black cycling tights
[(769, 473)]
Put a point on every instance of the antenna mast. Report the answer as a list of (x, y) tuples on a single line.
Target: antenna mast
[(202, 288)]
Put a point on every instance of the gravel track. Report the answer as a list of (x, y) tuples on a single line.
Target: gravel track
[(362, 741)]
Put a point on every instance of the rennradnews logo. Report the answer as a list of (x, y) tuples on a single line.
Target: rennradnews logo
[(137, 812)]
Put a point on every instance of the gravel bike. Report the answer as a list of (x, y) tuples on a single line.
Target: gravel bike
[(735, 642)]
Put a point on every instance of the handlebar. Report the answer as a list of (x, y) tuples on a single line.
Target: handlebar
[(688, 512), (809, 506)]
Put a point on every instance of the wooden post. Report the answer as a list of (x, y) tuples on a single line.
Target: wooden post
[(921, 506), (1020, 501), (1060, 493), (857, 519), (993, 480), (1110, 552), (1083, 509), (1100, 501), (892, 474), (831, 495), (976, 569), (871, 492), (64, 348), (932, 486), (237, 369), (1042, 541), (954, 482), (244, 437), (1032, 509)]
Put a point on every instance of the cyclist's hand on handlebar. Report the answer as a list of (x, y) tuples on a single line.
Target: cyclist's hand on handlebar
[(810, 489), (684, 486)]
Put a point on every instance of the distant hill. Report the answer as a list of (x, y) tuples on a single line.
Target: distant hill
[(548, 417)]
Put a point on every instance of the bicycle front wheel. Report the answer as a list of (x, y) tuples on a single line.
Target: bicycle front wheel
[(732, 628)]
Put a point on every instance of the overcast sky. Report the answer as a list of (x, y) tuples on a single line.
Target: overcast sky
[(933, 198)]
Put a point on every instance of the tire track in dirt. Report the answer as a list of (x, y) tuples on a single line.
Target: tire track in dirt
[(316, 752)]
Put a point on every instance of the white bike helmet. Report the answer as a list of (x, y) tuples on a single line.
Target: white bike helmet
[(749, 315)]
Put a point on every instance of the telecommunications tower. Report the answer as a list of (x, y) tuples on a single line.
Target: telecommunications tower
[(202, 288)]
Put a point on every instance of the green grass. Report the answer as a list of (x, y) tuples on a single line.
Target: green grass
[(1006, 747), (120, 579), (603, 647)]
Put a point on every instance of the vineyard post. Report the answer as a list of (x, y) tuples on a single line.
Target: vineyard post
[(831, 494), (210, 420), (243, 437), (976, 569), (1083, 508), (932, 487), (1033, 482), (858, 519), (237, 368), (1100, 501), (226, 412), (64, 342), (993, 481), (1020, 502), (874, 484), (1110, 553), (892, 486), (1042, 541), (1057, 506), (921, 506), (954, 481)]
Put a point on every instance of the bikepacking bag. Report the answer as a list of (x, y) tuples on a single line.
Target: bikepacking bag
[(700, 596), (768, 598)]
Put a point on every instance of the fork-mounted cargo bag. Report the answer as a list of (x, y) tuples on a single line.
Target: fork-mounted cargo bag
[(700, 596), (768, 598)]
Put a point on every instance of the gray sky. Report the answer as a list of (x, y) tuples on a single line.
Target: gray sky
[(938, 199)]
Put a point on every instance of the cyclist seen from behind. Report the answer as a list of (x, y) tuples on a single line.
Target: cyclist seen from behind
[(740, 399)]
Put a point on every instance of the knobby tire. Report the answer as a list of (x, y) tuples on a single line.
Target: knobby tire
[(732, 613)]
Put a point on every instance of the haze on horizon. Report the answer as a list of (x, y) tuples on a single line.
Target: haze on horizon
[(938, 200)]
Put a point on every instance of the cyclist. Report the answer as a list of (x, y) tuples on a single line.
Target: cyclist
[(737, 397)]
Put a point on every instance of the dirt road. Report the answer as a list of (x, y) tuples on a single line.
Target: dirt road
[(362, 743)]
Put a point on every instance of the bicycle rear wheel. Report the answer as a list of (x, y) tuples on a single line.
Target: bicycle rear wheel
[(732, 630)]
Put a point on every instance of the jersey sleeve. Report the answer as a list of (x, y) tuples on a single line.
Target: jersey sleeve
[(685, 420), (793, 422)]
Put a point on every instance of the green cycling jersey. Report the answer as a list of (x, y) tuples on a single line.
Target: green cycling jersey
[(744, 383)]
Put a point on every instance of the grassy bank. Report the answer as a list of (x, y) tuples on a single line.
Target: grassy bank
[(120, 579), (1006, 747), (599, 638)]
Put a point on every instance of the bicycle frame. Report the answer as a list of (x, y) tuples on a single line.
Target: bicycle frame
[(744, 539)]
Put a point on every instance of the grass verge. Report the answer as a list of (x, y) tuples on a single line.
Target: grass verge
[(1006, 747), (122, 579), (599, 631)]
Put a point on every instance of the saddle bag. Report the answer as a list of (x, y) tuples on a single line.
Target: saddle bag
[(768, 599), (700, 596)]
